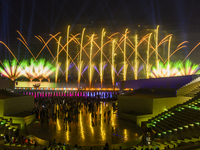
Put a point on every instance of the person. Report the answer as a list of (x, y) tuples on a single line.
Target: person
[(54, 143), (17, 132), (14, 140), (50, 143), (11, 139), (108, 113), (106, 147), (35, 144), (75, 147), (7, 138), (59, 143)]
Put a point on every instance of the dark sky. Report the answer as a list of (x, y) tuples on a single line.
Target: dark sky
[(43, 17)]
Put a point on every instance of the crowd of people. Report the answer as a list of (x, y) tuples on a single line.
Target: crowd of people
[(66, 108)]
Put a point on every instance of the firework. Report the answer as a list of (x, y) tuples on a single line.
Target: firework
[(87, 56), (178, 68), (163, 70), (11, 70), (187, 68), (40, 70)]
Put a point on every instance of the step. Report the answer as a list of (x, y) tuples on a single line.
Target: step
[(195, 139), (193, 111), (196, 131), (156, 117), (171, 120), (162, 128), (157, 130), (171, 124), (189, 115), (168, 127), (192, 120), (180, 121), (174, 132), (185, 119)]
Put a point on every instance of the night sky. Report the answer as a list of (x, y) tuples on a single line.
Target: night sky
[(43, 17)]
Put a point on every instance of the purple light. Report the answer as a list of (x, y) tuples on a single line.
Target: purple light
[(84, 70), (105, 66), (120, 70), (114, 69), (96, 69), (141, 67), (71, 65), (60, 70)]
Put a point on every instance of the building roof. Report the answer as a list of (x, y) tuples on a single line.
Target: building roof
[(152, 93), (151, 96), (4, 94)]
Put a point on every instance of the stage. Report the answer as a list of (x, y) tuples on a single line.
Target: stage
[(51, 89), (88, 131)]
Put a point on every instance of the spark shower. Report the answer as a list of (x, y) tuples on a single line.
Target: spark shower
[(119, 53)]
